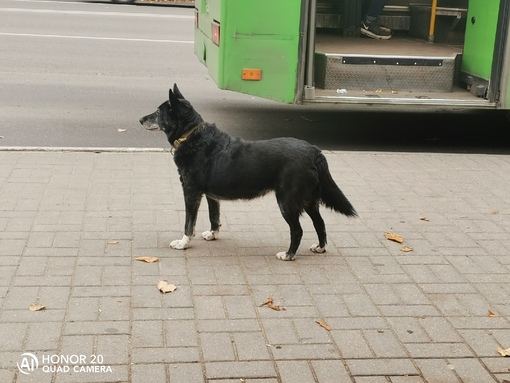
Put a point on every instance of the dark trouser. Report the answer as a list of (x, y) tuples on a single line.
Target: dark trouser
[(374, 10)]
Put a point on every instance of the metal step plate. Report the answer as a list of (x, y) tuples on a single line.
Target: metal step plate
[(387, 73)]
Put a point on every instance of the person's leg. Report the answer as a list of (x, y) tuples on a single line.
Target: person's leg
[(370, 27), (375, 9)]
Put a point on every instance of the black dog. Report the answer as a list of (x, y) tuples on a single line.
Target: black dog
[(213, 163)]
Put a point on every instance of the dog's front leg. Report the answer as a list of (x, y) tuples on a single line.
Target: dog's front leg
[(192, 202), (214, 218)]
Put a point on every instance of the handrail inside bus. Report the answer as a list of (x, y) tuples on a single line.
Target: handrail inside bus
[(311, 44)]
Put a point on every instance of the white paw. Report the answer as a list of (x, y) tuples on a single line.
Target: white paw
[(210, 235), (317, 249), (283, 256), (180, 244)]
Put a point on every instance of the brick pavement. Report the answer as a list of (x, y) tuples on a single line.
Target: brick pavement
[(71, 224)]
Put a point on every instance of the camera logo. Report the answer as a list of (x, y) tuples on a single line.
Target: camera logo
[(29, 363)]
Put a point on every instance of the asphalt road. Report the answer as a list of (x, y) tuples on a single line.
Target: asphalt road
[(72, 73)]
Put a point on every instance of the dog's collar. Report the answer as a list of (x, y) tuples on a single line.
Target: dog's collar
[(185, 136)]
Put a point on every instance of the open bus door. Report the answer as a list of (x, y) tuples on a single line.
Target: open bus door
[(443, 53)]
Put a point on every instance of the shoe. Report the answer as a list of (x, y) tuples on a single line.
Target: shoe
[(375, 31)]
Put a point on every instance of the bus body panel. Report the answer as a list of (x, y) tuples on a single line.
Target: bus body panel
[(480, 38), (262, 35)]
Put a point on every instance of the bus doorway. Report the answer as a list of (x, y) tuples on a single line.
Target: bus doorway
[(442, 52)]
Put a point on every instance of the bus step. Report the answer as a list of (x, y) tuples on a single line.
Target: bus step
[(387, 73)]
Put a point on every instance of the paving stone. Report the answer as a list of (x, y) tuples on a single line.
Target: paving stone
[(240, 370), (251, 346), (294, 371), (382, 367), (217, 347), (149, 373)]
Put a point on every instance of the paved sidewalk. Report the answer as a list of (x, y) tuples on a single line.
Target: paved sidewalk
[(72, 224)]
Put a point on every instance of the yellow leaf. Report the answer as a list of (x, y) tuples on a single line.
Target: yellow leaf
[(36, 307), (394, 237), (504, 351), (491, 313), (147, 259), (406, 249), (323, 324), (166, 287)]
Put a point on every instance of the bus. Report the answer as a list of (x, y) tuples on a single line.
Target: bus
[(443, 53)]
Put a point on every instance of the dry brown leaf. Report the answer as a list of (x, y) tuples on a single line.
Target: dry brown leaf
[(147, 259), (424, 219), (394, 237), (276, 307), (491, 313), (166, 287), (269, 303), (504, 351), (113, 242), (36, 307), (406, 249), (321, 323), (495, 212)]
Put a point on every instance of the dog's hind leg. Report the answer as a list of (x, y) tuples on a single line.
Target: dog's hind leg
[(192, 203), (214, 218), (291, 215), (320, 228)]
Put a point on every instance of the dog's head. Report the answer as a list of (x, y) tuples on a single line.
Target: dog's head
[(175, 117)]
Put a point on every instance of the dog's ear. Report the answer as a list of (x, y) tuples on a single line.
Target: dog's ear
[(177, 92), (174, 101)]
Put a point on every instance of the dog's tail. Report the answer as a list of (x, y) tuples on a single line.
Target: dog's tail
[(330, 193)]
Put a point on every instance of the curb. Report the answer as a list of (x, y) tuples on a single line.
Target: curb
[(79, 149)]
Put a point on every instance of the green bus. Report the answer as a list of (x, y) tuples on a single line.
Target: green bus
[(443, 53)]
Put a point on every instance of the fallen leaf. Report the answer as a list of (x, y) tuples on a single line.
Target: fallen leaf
[(495, 212), (321, 323), (166, 287), (504, 351), (147, 259), (269, 303), (406, 249), (276, 307), (394, 237), (2, 137), (491, 314), (424, 219), (113, 242), (121, 130), (36, 307)]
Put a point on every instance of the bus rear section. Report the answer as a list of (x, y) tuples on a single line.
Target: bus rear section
[(443, 53)]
